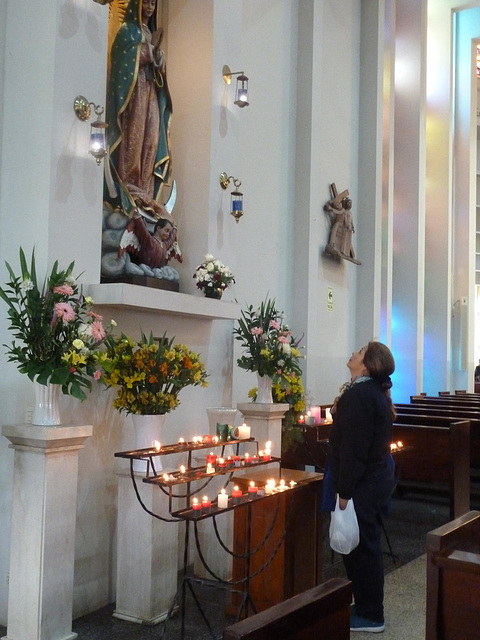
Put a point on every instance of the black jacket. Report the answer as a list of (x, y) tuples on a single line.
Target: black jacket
[(360, 436)]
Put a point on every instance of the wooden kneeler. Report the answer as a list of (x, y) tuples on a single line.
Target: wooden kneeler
[(320, 612)]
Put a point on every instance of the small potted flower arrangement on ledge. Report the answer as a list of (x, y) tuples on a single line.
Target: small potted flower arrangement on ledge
[(213, 277)]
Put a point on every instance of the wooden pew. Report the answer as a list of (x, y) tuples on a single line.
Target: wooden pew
[(436, 454), (433, 415), (457, 401), (320, 612), (453, 580)]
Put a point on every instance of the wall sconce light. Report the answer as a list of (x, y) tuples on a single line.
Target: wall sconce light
[(98, 141), (241, 93), (236, 208)]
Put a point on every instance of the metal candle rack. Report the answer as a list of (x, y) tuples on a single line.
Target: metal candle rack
[(187, 515)]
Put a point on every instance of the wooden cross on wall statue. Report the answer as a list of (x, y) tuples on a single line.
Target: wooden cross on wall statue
[(340, 242)]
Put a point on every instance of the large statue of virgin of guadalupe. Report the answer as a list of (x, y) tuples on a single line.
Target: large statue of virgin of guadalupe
[(139, 110)]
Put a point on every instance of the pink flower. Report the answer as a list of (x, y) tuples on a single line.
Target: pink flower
[(97, 375), (283, 339), (256, 331), (64, 290), (97, 330), (92, 314), (64, 311), (274, 324)]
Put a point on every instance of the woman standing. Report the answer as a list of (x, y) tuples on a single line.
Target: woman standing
[(362, 469)]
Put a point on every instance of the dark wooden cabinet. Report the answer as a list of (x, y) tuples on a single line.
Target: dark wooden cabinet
[(285, 531)]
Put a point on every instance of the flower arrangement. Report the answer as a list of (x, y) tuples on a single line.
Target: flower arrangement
[(149, 374), (212, 275), (59, 333), (289, 390), (270, 348)]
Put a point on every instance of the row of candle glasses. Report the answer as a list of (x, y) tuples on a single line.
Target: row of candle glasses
[(314, 416), (237, 497), (216, 464), (396, 446), (241, 433)]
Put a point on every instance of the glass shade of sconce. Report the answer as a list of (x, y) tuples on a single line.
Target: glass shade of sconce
[(98, 140), (236, 204), (241, 91)]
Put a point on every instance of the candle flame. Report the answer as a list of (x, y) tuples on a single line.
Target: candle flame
[(157, 445), (282, 483), (222, 491), (181, 441), (165, 477), (195, 501), (235, 488), (268, 444), (252, 483), (182, 469)]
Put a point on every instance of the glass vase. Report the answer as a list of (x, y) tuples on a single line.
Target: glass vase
[(264, 393), (46, 412), (148, 432)]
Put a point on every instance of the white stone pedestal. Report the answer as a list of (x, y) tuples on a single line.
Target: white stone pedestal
[(265, 422), (42, 550), (147, 553)]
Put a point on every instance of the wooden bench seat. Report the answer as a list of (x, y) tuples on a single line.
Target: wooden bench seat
[(453, 580), (320, 612), (437, 454)]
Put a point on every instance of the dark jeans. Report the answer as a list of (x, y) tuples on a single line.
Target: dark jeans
[(364, 565)]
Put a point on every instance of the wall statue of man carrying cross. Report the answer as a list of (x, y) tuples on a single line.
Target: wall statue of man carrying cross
[(340, 242)]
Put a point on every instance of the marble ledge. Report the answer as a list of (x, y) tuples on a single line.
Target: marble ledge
[(137, 298), (47, 437)]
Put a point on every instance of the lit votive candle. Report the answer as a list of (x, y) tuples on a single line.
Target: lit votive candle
[(301, 420), (310, 420), (229, 462), (166, 477), (254, 459), (399, 444), (157, 446), (267, 455), (222, 499), (252, 490), (207, 439), (292, 483), (269, 487), (281, 486), (317, 414), (181, 441), (328, 415), (222, 465), (243, 432), (246, 458), (206, 504), (212, 458), (236, 461), (210, 468), (196, 506), (182, 470), (236, 495)]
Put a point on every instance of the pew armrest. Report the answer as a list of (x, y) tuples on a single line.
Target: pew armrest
[(323, 611)]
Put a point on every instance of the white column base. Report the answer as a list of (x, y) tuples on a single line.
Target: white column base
[(42, 550), (147, 554), (265, 422)]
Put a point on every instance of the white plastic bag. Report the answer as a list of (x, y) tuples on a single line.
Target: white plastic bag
[(344, 533)]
